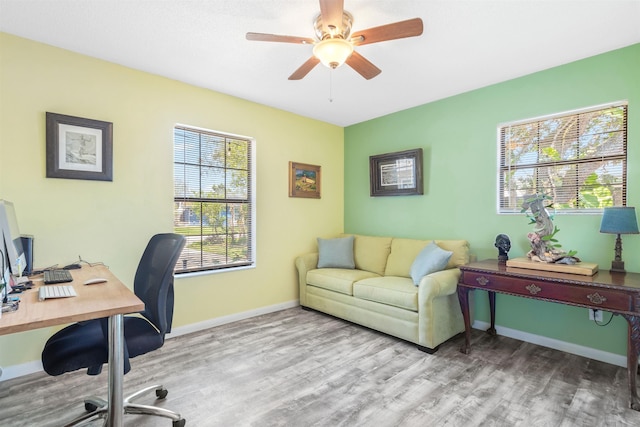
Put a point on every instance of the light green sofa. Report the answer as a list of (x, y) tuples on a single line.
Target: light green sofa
[(380, 294)]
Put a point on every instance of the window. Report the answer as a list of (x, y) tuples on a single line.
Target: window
[(213, 199), (578, 160)]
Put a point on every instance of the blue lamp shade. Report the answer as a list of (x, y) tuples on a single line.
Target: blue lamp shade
[(620, 220)]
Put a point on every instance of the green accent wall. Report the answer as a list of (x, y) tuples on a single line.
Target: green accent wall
[(459, 139)]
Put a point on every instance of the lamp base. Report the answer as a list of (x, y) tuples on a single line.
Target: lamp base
[(617, 266)]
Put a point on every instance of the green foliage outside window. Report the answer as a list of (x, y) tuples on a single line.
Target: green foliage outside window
[(213, 203), (576, 160)]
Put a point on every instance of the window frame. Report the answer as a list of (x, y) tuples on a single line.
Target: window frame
[(250, 201), (503, 208)]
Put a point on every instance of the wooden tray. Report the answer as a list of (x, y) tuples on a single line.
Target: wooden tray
[(583, 268)]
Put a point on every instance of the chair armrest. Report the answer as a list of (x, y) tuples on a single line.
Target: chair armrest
[(304, 263)]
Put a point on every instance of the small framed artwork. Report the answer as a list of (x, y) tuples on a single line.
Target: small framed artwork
[(304, 180), (79, 148), (396, 174)]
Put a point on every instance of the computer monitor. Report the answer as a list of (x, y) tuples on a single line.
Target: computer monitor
[(5, 286), (12, 246)]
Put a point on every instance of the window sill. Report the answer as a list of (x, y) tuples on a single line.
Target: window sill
[(217, 271)]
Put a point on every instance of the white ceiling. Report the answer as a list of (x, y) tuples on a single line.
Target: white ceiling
[(466, 44)]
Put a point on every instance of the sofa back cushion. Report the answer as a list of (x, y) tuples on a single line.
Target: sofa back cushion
[(405, 251), (371, 252), (460, 249)]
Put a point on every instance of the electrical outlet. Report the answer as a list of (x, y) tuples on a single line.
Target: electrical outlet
[(595, 315)]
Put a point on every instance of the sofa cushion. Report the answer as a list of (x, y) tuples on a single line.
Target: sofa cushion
[(430, 259), (405, 251), (337, 279), (371, 253), (460, 249), (390, 290), (336, 253)]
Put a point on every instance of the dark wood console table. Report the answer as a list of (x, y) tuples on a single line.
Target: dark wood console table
[(618, 293)]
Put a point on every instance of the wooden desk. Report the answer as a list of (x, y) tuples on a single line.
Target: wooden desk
[(110, 299), (618, 293)]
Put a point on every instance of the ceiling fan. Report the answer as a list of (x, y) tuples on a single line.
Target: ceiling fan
[(334, 44)]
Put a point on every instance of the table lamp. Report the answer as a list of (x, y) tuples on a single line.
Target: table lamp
[(619, 220)]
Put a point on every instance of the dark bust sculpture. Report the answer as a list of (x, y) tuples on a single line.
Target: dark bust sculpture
[(503, 244)]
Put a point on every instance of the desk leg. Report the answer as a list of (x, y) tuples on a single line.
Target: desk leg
[(633, 348), (116, 371), (463, 297), (492, 310)]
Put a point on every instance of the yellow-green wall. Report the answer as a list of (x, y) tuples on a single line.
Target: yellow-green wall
[(112, 221)]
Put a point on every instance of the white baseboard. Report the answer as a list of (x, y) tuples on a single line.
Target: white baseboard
[(591, 353), (9, 372), (195, 327)]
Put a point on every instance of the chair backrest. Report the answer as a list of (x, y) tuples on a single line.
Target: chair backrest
[(153, 282)]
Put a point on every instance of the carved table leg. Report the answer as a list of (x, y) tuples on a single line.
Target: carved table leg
[(463, 297), (492, 310), (633, 348)]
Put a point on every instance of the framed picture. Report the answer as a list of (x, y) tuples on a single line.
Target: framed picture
[(79, 148), (304, 180), (396, 174)]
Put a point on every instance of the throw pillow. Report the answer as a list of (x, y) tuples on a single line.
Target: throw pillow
[(430, 259), (336, 253)]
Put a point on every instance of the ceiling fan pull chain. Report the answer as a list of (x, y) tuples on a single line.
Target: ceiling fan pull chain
[(330, 85)]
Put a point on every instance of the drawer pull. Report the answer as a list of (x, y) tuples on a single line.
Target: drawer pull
[(482, 280), (533, 289), (596, 298)]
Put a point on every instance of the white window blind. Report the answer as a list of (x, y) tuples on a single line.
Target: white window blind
[(578, 160), (213, 203)]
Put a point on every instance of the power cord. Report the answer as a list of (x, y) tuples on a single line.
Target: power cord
[(90, 264), (601, 324), (71, 266)]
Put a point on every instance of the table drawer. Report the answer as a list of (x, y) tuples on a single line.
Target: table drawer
[(588, 296)]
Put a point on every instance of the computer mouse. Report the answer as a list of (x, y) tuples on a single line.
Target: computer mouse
[(95, 280)]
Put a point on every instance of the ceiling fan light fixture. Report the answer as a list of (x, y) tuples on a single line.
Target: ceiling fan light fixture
[(333, 52)]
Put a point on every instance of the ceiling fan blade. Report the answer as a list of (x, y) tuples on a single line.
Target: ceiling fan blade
[(304, 68), (262, 37), (331, 11), (362, 65), (397, 30)]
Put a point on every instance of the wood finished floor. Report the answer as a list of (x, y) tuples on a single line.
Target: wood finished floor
[(302, 368)]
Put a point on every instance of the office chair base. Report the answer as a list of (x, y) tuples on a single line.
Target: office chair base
[(97, 408)]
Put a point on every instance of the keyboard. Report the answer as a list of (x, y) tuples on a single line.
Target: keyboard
[(57, 276), (61, 291)]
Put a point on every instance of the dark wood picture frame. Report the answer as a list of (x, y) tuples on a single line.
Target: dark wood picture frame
[(79, 148), (396, 174), (304, 180)]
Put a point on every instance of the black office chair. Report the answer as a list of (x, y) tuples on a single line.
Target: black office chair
[(85, 344)]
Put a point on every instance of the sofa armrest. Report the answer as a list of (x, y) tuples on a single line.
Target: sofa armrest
[(438, 284), (439, 315), (304, 263)]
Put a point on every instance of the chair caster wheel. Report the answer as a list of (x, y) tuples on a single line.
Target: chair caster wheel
[(89, 407), (161, 393), (179, 423)]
